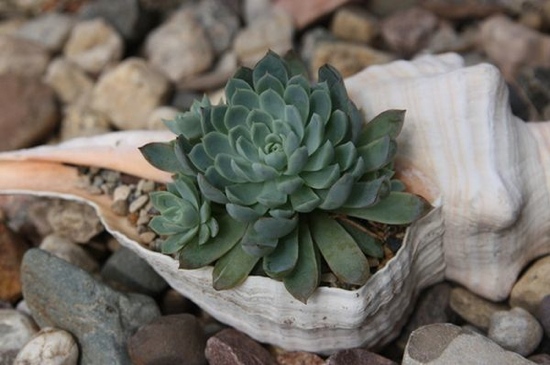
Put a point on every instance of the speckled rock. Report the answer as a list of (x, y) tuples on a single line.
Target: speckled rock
[(12, 249), (219, 21), (445, 344), (29, 111), (179, 47), (474, 309), (515, 330), (22, 57), (69, 81), (16, 329), (75, 221), (358, 357), (532, 286), (354, 23), (93, 45), (100, 318), (69, 251), (50, 30), (231, 347), (167, 340), (129, 93), (50, 346)]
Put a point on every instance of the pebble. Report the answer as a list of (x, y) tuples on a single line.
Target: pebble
[(354, 23), (255, 9), (179, 47), (69, 251), (50, 346), (50, 30), (16, 329), (138, 203), (100, 318), (167, 340), (358, 357), (214, 78), (299, 358), (273, 31), (464, 9), (408, 31), (79, 120), (543, 359), (126, 270), (29, 111), (74, 220), (158, 115), (348, 58), (93, 45), (543, 314), (472, 308), (219, 21), (69, 81), (231, 347), (126, 16), (445, 343), (145, 186), (22, 57), (515, 330), (12, 248), (532, 286), (128, 93), (384, 8)]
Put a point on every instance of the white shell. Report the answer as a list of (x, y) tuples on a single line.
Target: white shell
[(461, 148)]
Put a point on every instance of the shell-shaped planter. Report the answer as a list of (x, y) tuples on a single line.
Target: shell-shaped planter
[(461, 148)]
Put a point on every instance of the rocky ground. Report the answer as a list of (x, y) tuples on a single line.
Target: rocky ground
[(73, 68)]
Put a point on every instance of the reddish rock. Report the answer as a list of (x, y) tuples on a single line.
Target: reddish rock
[(12, 248), (231, 347), (299, 358), (358, 357)]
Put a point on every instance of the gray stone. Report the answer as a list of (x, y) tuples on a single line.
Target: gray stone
[(132, 273), (180, 47), (22, 57), (354, 23), (167, 340), (29, 111), (93, 45), (543, 314), (475, 310), (220, 23), (128, 93), (358, 357), (74, 220), (50, 346), (100, 318), (69, 81), (69, 251), (532, 286), (543, 359), (16, 329), (445, 343), (231, 347), (50, 30), (515, 330), (383, 8)]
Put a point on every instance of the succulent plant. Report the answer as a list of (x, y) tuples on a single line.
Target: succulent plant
[(290, 169)]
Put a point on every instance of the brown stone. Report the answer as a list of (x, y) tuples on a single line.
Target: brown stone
[(475, 310), (75, 221), (12, 248), (354, 23), (22, 57), (358, 357), (231, 347), (299, 358), (461, 9), (532, 287)]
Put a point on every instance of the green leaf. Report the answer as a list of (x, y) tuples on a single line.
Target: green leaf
[(283, 259), (271, 64), (297, 161), (161, 155), (338, 193), (245, 74), (163, 200), (271, 197), (314, 134), (321, 105), (269, 82), (304, 200), (233, 268), (244, 194), (378, 153), (296, 96), (273, 103), (200, 158), (289, 184), (246, 98), (321, 158), (396, 208), (337, 127), (217, 117), (294, 64), (194, 256), (181, 149), (343, 256), (368, 244), (209, 191), (295, 120), (257, 245), (397, 185), (187, 190), (233, 85), (387, 123), (176, 242), (345, 155), (235, 116), (335, 83), (274, 228), (216, 143), (367, 193), (306, 276), (322, 179)]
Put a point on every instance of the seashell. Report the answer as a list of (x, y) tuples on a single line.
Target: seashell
[(461, 148)]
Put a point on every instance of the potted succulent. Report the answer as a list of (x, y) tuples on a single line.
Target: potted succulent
[(460, 148)]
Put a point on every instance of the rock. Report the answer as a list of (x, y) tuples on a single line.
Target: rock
[(93, 45), (100, 318), (12, 249), (231, 347), (220, 23), (446, 39), (358, 357), (543, 359), (408, 31), (167, 340), (543, 314), (445, 343), (68, 80), (30, 6), (475, 310), (347, 58), (535, 91), (172, 302), (532, 286), (464, 9), (180, 47), (158, 115), (354, 23), (126, 16), (215, 78), (255, 9), (22, 57), (74, 220), (48, 347), (311, 39), (16, 329), (515, 330), (273, 31), (81, 121), (299, 358), (383, 8), (69, 251), (512, 46), (127, 270), (11, 25), (29, 111), (50, 30), (129, 93)]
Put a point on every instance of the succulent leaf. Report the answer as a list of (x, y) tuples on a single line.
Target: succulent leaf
[(283, 259), (368, 244), (162, 156), (387, 123), (233, 268)]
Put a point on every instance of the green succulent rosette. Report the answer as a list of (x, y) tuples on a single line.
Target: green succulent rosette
[(286, 171)]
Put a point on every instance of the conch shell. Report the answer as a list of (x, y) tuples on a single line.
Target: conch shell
[(461, 148)]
